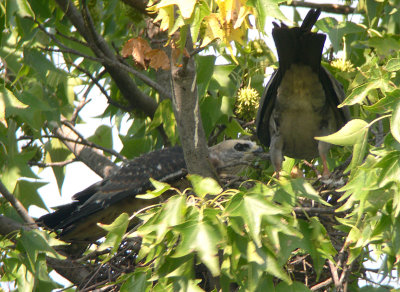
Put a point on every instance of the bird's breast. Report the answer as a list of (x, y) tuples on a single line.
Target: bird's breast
[(299, 111)]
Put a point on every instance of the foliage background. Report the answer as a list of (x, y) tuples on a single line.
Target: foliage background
[(296, 233)]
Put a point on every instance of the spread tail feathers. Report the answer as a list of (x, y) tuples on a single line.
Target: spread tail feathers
[(299, 44)]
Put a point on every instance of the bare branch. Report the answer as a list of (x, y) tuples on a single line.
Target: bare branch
[(83, 141), (17, 205), (331, 8), (323, 284), (102, 89), (52, 164), (74, 52), (94, 159)]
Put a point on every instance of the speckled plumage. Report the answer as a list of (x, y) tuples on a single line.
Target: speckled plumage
[(106, 200)]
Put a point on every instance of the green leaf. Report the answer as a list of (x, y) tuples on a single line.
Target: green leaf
[(200, 11), (341, 29), (56, 151), (385, 104), (27, 193), (34, 242), (316, 242), (204, 238), (349, 135), (266, 8), (360, 92), (294, 287), (171, 214), (164, 115), (116, 231), (204, 186), (393, 65), (159, 189), (359, 151), (252, 208), (205, 69), (301, 188), (390, 165), (384, 46), (136, 282), (24, 9), (395, 122), (102, 136)]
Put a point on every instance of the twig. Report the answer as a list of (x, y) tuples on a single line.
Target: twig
[(51, 164), (91, 144), (74, 39), (17, 205), (74, 52), (102, 89), (150, 82), (84, 101), (334, 272), (82, 141), (322, 284)]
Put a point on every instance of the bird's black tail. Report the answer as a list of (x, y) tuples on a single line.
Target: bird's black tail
[(299, 45), (310, 19)]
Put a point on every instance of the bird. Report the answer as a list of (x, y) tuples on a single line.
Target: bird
[(300, 101), (105, 200)]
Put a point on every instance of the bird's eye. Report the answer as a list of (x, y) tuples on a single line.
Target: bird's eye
[(241, 146)]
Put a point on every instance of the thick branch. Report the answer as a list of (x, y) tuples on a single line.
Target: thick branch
[(128, 88), (93, 158), (187, 113)]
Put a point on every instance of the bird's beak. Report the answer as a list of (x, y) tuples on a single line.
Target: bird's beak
[(258, 150)]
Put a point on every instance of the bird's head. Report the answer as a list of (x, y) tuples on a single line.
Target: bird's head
[(230, 157)]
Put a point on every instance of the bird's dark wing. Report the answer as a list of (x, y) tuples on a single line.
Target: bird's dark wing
[(105, 200), (267, 104), (335, 96)]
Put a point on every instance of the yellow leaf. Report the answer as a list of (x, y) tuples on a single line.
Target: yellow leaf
[(185, 6), (213, 29), (166, 16), (244, 11)]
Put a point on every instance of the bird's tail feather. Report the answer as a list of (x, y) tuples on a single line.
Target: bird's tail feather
[(299, 45)]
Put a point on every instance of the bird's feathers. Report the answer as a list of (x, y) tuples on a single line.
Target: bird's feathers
[(105, 200), (303, 48)]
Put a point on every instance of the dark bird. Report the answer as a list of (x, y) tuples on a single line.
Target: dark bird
[(300, 101), (106, 200)]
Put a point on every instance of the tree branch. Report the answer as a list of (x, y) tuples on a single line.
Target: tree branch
[(71, 270), (94, 159), (124, 82), (331, 8), (187, 113), (17, 205)]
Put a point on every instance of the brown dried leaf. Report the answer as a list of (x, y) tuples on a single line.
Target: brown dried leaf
[(138, 48), (127, 49), (158, 59)]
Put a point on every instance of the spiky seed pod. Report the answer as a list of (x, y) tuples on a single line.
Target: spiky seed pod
[(343, 65), (247, 103)]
